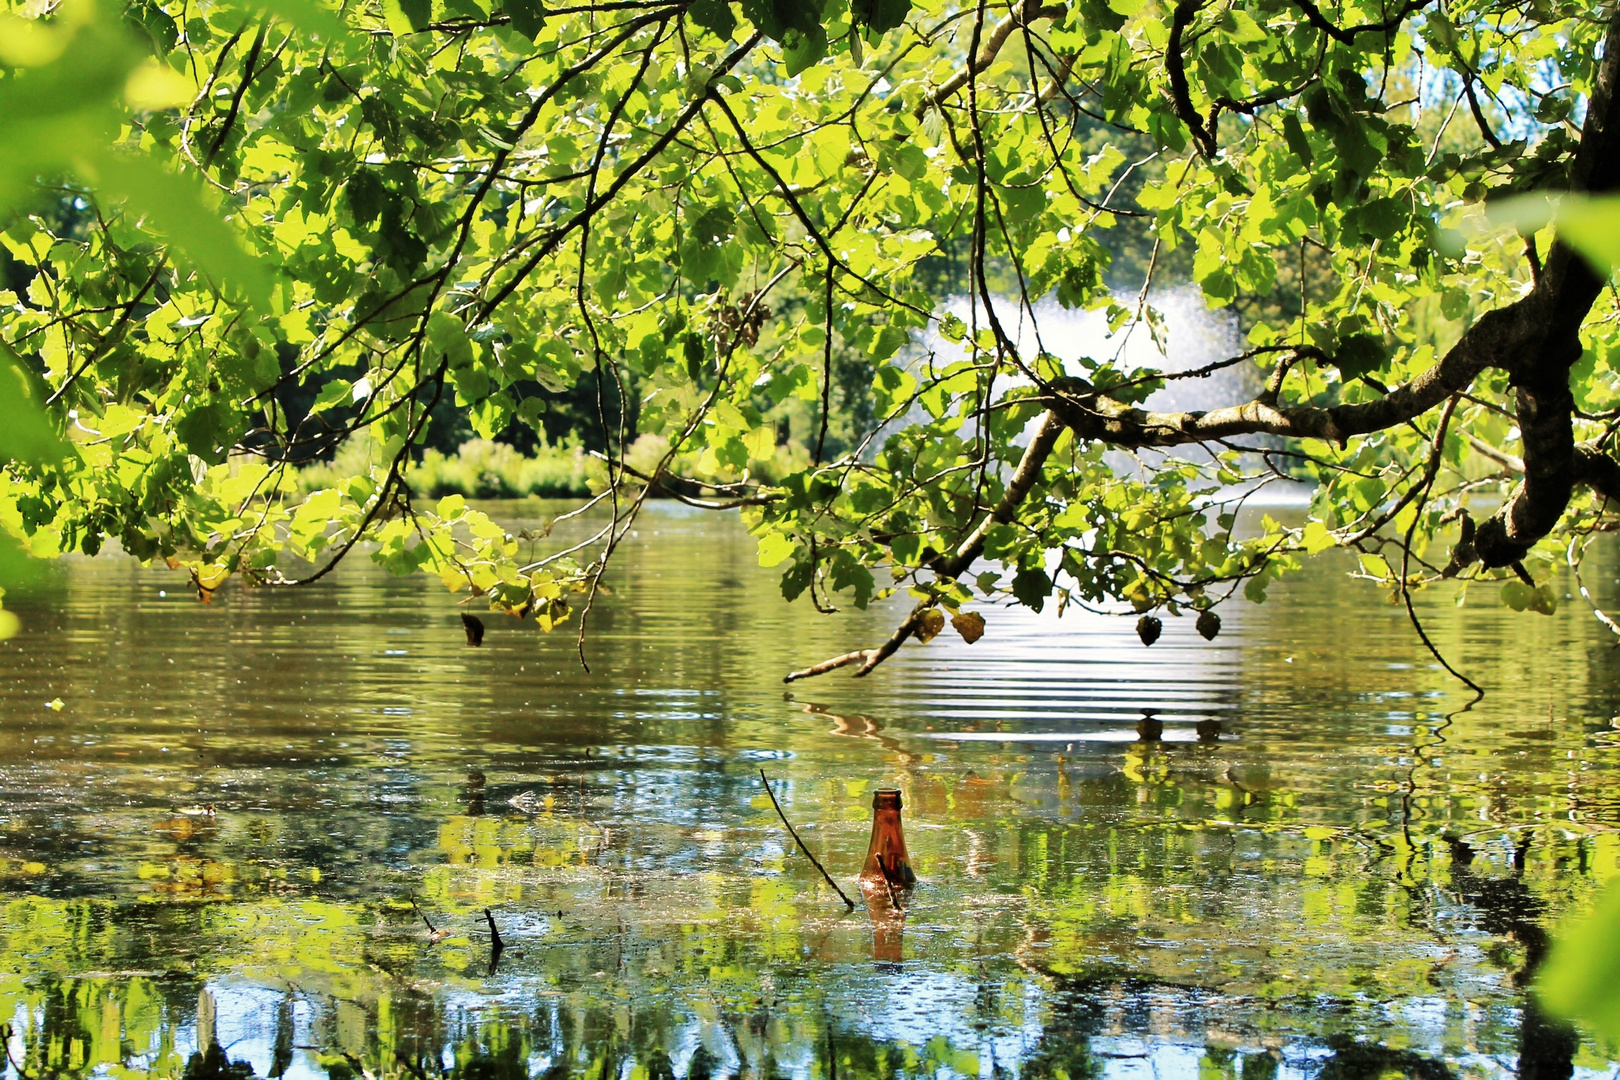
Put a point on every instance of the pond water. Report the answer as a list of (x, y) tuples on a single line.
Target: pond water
[(1354, 879)]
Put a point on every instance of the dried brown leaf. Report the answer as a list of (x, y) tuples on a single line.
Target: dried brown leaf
[(970, 624)]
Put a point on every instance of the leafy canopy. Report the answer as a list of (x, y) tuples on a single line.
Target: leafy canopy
[(245, 235)]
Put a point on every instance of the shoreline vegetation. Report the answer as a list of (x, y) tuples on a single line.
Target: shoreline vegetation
[(484, 469)]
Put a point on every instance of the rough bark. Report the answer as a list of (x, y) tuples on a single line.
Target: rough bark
[(1536, 340)]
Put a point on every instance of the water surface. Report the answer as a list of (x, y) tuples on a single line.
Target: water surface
[(1354, 879)]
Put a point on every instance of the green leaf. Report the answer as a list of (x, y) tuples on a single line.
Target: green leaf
[(879, 16), (1582, 971), (26, 431), (306, 15), (337, 392), (1360, 354), (310, 520), (419, 12), (1517, 595), (714, 16), (773, 549), (209, 431), (1294, 136), (803, 48), (174, 206), (796, 579), (1379, 219), (1032, 587), (154, 24), (366, 196), (399, 23), (529, 15), (1317, 538), (761, 443)]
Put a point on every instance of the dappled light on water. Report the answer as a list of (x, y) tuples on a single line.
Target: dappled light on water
[(262, 834)]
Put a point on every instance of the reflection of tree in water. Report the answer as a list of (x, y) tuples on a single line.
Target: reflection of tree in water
[(1353, 1060), (214, 1064), (553, 1039), (1081, 1011), (1507, 908), (210, 1060), (664, 1028), (1064, 1050), (62, 1036), (282, 1054)]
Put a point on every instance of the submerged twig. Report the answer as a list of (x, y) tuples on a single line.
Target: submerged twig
[(848, 903), (888, 883), (494, 934), (434, 933)]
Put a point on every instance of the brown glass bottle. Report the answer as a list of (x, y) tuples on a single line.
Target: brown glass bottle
[(886, 856)]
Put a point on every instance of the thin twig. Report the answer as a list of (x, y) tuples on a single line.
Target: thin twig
[(1437, 448), (867, 658), (5, 1038), (435, 935), (848, 903)]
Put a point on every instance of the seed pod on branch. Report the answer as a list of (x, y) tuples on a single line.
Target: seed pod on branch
[(929, 626), (1208, 624), (1148, 628)]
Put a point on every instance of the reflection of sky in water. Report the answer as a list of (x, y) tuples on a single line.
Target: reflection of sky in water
[(907, 1009), (1255, 894)]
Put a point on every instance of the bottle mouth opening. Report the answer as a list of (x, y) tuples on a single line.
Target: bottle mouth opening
[(886, 799)]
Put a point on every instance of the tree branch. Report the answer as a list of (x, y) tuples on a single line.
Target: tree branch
[(1347, 34), (1018, 488), (1025, 11), (1598, 471), (970, 548), (867, 658), (1175, 65), (236, 99)]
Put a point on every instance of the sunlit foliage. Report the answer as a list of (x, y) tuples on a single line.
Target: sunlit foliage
[(243, 237)]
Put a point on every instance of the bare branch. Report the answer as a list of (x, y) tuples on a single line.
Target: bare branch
[(867, 658)]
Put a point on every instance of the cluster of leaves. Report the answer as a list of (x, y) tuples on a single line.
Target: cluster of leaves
[(241, 235)]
